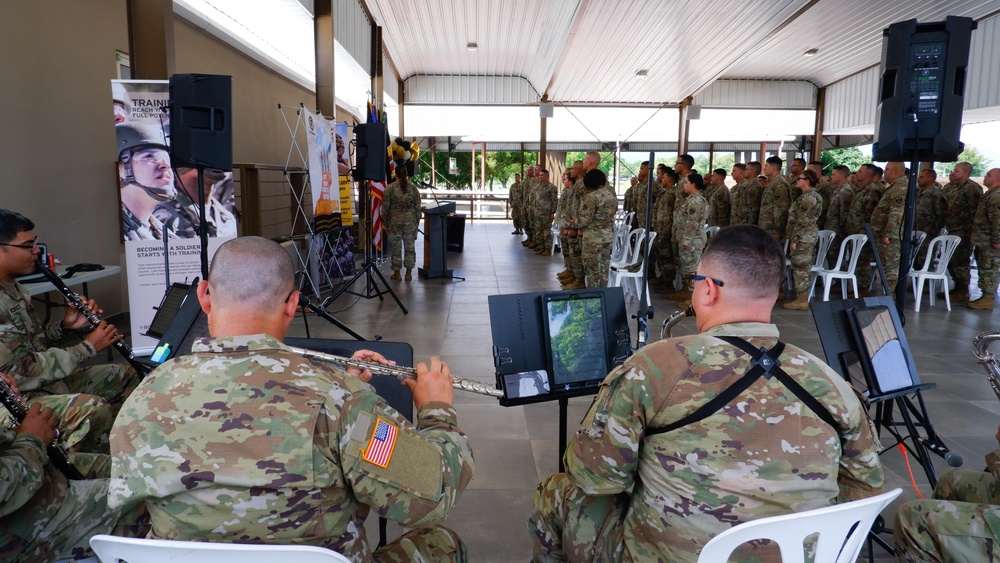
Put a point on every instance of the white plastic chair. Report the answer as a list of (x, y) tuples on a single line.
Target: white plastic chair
[(850, 250), (623, 244), (939, 253), (114, 549), (916, 241), (631, 257), (634, 277), (556, 229), (841, 531)]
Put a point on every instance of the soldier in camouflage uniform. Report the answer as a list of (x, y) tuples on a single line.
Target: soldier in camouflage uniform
[(737, 214), (824, 189), (590, 162), (689, 231), (931, 210), (866, 197), (718, 197), (640, 195), (562, 219), (802, 235), (841, 196), (514, 204), (752, 194), (84, 398), (527, 201), (960, 523), (281, 449), (986, 238), (963, 200), (44, 516), (181, 215), (666, 204), (775, 200), (546, 202), (401, 216), (596, 218), (887, 221), (632, 492)]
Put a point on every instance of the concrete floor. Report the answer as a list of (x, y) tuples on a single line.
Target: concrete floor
[(516, 447)]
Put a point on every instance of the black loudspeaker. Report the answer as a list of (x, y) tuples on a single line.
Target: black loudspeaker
[(372, 155), (922, 90), (201, 132)]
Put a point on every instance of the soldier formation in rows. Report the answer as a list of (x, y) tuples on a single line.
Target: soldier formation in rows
[(842, 201)]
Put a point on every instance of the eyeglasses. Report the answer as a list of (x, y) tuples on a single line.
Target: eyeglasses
[(26, 246), (698, 277)]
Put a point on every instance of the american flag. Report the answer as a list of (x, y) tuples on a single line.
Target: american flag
[(377, 190), (382, 443)]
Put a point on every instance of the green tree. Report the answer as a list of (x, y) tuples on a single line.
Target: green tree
[(980, 164), (850, 157)]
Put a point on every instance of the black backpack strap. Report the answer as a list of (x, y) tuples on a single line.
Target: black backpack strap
[(763, 362)]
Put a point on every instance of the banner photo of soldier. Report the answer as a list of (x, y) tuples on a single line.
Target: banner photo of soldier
[(324, 166), (158, 202)]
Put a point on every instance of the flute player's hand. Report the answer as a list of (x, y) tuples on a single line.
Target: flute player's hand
[(367, 356), (433, 384)]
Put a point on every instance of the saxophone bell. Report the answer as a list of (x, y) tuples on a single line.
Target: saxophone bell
[(672, 320)]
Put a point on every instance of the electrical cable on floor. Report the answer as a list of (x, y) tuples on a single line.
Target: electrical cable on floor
[(913, 481)]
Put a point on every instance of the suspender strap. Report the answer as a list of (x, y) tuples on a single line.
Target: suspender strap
[(763, 363)]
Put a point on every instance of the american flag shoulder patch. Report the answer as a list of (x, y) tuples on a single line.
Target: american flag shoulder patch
[(381, 444)]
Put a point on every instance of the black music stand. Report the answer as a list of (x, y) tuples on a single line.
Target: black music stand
[(519, 347), (389, 388)]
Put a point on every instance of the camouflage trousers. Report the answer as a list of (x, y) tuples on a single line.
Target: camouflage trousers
[(689, 253), (543, 229), (401, 241), (515, 215), (568, 525), (665, 262), (802, 259), (62, 516), (575, 247), (596, 261), (961, 263), (86, 403), (889, 254), (432, 544), (960, 525), (988, 261)]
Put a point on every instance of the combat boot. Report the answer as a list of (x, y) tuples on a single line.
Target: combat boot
[(959, 296), (578, 284), (409, 274), (564, 274), (679, 295), (395, 275), (801, 303), (983, 302), (568, 281)]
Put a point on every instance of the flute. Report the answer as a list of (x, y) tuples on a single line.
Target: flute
[(399, 372), (92, 318), (18, 410)]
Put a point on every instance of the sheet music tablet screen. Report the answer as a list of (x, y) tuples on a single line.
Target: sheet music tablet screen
[(576, 340)]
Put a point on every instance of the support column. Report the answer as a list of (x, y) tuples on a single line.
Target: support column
[(817, 147), (434, 176), (326, 103), (151, 38), (472, 163), (482, 166), (618, 165), (378, 79), (762, 155), (542, 141), (683, 126)]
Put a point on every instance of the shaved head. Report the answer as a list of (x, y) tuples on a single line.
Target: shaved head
[(250, 273)]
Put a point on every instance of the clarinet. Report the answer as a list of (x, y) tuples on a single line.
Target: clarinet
[(399, 372), (57, 454), (93, 318)]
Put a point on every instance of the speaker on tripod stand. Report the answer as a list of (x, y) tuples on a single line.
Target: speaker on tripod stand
[(201, 134)]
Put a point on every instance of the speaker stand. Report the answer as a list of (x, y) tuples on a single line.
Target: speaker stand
[(368, 269)]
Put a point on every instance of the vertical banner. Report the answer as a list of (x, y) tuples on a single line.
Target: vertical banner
[(344, 170), (324, 166), (160, 213)]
